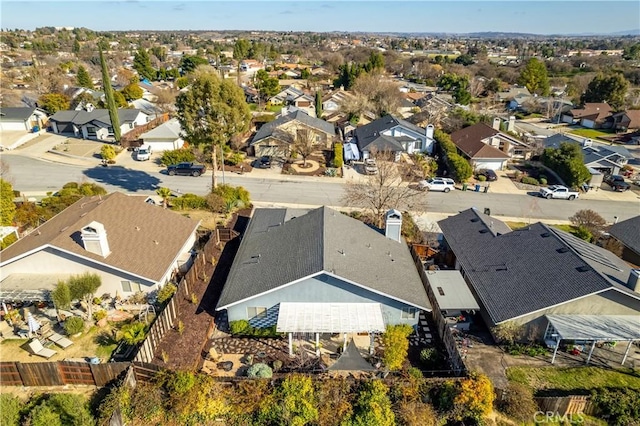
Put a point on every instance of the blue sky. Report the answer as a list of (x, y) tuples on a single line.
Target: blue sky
[(539, 17)]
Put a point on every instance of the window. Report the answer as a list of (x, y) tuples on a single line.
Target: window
[(91, 131), (126, 286), (110, 130), (256, 312), (318, 140), (417, 145), (408, 313), (135, 287)]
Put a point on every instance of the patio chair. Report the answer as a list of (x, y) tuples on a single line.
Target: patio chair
[(60, 340), (36, 347)]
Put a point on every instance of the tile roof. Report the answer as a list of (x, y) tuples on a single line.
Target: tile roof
[(82, 117), (372, 133), (299, 115), (15, 114), (519, 272), (275, 251), (144, 240), (628, 233), (469, 141)]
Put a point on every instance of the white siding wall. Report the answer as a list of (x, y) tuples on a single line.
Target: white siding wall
[(164, 145), (13, 125)]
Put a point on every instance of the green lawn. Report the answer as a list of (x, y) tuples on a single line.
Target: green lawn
[(520, 225), (579, 378), (269, 108), (591, 133)]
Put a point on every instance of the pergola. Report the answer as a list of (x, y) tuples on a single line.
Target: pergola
[(594, 328), (329, 318)]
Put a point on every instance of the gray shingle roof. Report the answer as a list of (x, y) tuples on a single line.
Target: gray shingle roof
[(304, 118), (169, 130), (275, 252), (368, 136), (15, 114), (83, 117), (628, 233), (519, 272)]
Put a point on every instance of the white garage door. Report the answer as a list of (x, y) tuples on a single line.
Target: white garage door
[(491, 165), (12, 125), (164, 146)]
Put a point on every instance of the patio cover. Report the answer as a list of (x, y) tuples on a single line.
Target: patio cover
[(330, 318), (351, 360), (451, 291), (29, 287), (596, 327)]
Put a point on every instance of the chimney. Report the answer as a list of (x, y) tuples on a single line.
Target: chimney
[(496, 124), (511, 124), (634, 280), (94, 239), (429, 133), (393, 225)]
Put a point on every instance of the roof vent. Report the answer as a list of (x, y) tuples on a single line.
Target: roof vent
[(583, 268), (342, 252), (440, 291), (545, 235), (484, 231), (475, 219), (562, 250)]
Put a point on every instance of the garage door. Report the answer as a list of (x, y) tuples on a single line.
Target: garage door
[(12, 125), (65, 127), (491, 165)]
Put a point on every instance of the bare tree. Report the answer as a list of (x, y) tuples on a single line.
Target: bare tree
[(589, 220), (383, 94), (384, 191), (304, 143), (166, 100)]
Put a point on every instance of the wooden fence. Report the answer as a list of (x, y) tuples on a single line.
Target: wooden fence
[(566, 405), (130, 139), (59, 373)]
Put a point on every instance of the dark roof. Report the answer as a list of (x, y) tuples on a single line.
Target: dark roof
[(136, 232), (15, 114), (628, 233), (370, 135), (82, 117), (351, 360), (593, 111), (269, 128), (276, 251), (519, 272), (469, 141)]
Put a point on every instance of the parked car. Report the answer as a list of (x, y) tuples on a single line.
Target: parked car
[(186, 169), (617, 183), (143, 153), (370, 166), (265, 161), (437, 184), (558, 191), (487, 173)]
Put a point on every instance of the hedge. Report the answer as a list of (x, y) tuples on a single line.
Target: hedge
[(458, 165), (177, 156), (338, 159)]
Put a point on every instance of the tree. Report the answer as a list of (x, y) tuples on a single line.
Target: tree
[(383, 94), (134, 333), (373, 406), (611, 88), (567, 162), (590, 220), (396, 345), (383, 191), (76, 46), (142, 64), (107, 152), (7, 206), (518, 402), (165, 194), (119, 100), (319, 104), (297, 400), (305, 73), (211, 112), (83, 287), (534, 77), (82, 100), (54, 102), (83, 78), (110, 98), (166, 100), (304, 143), (267, 86), (375, 62), (61, 295), (475, 397), (190, 63), (240, 52), (132, 92)]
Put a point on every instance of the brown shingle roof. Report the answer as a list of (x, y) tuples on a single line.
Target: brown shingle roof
[(469, 140), (144, 239), (594, 111)]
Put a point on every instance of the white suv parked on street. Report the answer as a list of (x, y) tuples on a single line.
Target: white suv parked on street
[(437, 184)]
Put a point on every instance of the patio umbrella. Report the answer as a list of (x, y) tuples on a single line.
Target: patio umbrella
[(32, 323), (4, 307)]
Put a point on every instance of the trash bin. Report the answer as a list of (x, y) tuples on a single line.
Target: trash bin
[(464, 186), (36, 129), (487, 211), (486, 189), (477, 187)]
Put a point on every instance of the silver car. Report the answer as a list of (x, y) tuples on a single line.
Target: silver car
[(437, 184)]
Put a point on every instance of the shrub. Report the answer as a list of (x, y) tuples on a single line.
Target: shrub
[(134, 333), (530, 181), (517, 175), (73, 325), (415, 372), (243, 328), (189, 202), (234, 195), (460, 167), (101, 314), (177, 156), (108, 152), (619, 406), (10, 407), (429, 356), (396, 345), (583, 233), (518, 402), (260, 371), (8, 240), (482, 178), (166, 292), (543, 181), (239, 327), (181, 382), (338, 159), (234, 159)]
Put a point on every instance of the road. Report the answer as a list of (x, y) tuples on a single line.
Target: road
[(33, 175)]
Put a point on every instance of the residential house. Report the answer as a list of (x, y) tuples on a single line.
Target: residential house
[(95, 124), (526, 276), (132, 245), (624, 121), (276, 137), (487, 147), (292, 96), (628, 233), (514, 97), (590, 115), (321, 271), (333, 102), (598, 157), (394, 135), (21, 119), (165, 137), (251, 66)]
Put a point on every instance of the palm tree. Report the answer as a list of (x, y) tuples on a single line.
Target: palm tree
[(164, 193), (134, 333)]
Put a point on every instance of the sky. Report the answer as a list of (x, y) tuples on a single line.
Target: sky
[(537, 17)]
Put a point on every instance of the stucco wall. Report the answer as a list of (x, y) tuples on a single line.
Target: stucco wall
[(323, 289), (52, 261)]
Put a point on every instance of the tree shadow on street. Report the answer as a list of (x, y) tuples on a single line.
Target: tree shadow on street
[(127, 179)]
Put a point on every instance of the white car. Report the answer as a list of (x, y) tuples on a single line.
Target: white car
[(437, 184), (370, 166)]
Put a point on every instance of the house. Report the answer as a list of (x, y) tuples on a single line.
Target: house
[(165, 137), (487, 147), (514, 96), (628, 233), (524, 276), (590, 115), (21, 119), (624, 120), (95, 124), (251, 66), (321, 271), (132, 245), (333, 102), (293, 96), (276, 137), (601, 158), (395, 135)]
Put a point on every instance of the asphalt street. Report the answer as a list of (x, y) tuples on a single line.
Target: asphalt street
[(36, 176)]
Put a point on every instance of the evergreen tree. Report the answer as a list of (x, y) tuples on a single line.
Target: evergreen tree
[(610, 88), (142, 64), (319, 104), (534, 77), (108, 94), (83, 78), (76, 46), (7, 206)]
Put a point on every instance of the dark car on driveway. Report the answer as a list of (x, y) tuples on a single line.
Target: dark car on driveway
[(488, 173), (617, 183), (186, 169)]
